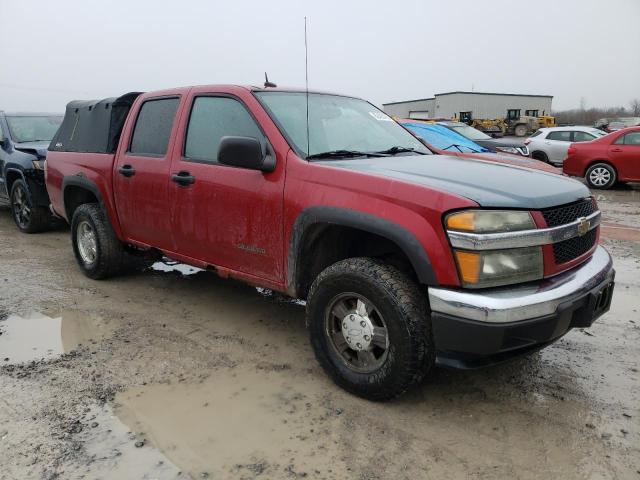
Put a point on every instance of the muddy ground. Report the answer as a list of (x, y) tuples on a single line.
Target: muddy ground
[(174, 373)]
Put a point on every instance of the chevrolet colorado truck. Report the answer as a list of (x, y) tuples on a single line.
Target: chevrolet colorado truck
[(406, 259)]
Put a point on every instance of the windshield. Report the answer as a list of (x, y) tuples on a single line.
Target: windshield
[(33, 129), (470, 132), (336, 124)]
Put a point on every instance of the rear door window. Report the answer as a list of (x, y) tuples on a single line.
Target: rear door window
[(153, 127), (561, 136), (631, 138), (582, 137), (213, 118)]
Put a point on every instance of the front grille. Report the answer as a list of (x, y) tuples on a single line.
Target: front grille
[(568, 213), (574, 247)]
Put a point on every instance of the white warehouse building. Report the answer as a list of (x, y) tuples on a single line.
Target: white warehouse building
[(477, 104)]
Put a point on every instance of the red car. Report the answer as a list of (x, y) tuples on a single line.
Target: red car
[(607, 160)]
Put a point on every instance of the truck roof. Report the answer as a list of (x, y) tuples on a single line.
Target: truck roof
[(30, 114)]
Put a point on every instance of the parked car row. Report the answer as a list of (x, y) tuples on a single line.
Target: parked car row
[(602, 159), (407, 256), (551, 144)]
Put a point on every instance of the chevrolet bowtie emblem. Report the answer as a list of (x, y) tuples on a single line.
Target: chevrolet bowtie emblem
[(583, 226)]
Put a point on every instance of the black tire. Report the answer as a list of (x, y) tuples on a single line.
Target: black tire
[(520, 130), (28, 219), (601, 176), (406, 317), (538, 155), (109, 251)]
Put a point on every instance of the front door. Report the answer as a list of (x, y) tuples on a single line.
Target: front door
[(625, 153), (227, 216), (141, 179)]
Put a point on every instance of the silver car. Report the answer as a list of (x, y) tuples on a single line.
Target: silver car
[(551, 144)]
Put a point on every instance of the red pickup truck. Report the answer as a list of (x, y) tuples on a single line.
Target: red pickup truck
[(406, 259)]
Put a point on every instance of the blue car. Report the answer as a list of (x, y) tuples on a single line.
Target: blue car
[(443, 138)]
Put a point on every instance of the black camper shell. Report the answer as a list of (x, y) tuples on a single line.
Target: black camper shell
[(93, 126)]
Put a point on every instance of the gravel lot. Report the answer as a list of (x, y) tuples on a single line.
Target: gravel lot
[(174, 373)]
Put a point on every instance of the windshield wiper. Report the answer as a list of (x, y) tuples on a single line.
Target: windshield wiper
[(396, 149), (460, 147), (343, 154)]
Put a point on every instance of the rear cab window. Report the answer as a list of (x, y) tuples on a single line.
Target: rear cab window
[(153, 127)]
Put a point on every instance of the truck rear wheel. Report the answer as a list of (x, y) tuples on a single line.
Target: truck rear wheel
[(370, 329), (97, 249)]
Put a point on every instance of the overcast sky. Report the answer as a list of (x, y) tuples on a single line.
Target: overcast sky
[(56, 51)]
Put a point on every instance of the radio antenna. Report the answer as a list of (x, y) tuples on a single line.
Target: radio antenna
[(306, 78)]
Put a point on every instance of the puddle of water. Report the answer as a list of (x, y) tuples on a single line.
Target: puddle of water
[(237, 423), (113, 447), (36, 336), (31, 337), (169, 266)]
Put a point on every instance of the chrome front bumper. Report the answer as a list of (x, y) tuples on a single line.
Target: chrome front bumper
[(518, 303)]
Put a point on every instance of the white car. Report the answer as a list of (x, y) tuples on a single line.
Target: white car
[(551, 144)]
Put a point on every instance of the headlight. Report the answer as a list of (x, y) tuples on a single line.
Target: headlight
[(490, 221), (491, 268), (508, 149), (38, 164)]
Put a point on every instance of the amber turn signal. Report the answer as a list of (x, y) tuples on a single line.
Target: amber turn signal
[(469, 266), (461, 221)]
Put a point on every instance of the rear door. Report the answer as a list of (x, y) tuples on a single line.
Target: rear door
[(141, 179), (228, 217), (556, 145), (625, 154)]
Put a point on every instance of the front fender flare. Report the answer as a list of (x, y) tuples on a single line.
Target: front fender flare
[(398, 234)]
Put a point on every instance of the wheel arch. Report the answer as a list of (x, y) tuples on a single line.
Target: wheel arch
[(11, 175), (541, 153), (78, 190), (341, 233)]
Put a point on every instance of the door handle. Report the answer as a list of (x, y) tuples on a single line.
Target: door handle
[(616, 149), (127, 171), (183, 178)]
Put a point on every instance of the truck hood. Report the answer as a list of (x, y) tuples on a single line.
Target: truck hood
[(486, 183), (34, 148)]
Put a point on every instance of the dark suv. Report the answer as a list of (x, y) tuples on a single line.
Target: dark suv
[(24, 138)]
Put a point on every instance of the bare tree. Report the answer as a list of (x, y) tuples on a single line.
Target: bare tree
[(635, 107)]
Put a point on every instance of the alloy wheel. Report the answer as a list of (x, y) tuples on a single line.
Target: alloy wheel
[(21, 207), (357, 332), (87, 242)]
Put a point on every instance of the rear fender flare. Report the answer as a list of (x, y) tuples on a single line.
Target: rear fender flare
[(83, 182)]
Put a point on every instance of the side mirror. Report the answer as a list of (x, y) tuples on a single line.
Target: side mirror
[(244, 152)]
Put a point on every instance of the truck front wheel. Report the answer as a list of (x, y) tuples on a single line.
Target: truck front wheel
[(370, 329), (97, 249)]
